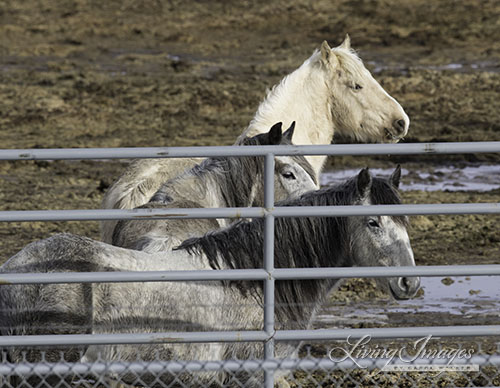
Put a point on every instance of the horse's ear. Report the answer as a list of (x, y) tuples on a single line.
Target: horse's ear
[(396, 176), (288, 134), (346, 44), (364, 182), (274, 135), (327, 55)]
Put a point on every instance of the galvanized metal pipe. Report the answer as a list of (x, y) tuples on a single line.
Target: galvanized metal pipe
[(135, 276), (269, 267), (388, 333), (248, 274), (256, 212), (182, 152), (247, 336)]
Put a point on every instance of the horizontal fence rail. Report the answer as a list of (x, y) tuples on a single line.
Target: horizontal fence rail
[(248, 274), (255, 212), (182, 152), (249, 336)]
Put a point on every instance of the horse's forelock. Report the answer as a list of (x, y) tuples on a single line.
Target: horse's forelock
[(299, 159), (350, 62), (302, 162), (348, 58), (250, 141), (384, 193)]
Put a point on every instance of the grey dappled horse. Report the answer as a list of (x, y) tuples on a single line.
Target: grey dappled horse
[(216, 182), (200, 306)]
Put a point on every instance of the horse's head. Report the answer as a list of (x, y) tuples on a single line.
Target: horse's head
[(364, 111), (293, 175), (382, 240)]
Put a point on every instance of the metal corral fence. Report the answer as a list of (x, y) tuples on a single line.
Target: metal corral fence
[(343, 372)]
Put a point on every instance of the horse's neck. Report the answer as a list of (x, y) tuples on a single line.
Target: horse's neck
[(303, 97), (297, 301), (172, 261), (211, 185), (298, 244), (317, 242)]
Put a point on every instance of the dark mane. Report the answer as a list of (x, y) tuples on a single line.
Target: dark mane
[(299, 241), (239, 174), (299, 159)]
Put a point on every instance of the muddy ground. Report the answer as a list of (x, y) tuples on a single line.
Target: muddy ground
[(179, 73), (151, 73)]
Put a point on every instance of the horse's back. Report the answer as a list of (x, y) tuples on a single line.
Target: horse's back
[(61, 252), (160, 235), (139, 183)]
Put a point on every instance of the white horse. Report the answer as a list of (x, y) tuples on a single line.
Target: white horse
[(202, 306), (332, 92)]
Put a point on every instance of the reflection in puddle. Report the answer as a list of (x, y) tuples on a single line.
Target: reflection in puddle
[(467, 297), (450, 178), (461, 295)]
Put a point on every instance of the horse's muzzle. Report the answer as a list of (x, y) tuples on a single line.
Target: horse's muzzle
[(397, 131), (404, 287)]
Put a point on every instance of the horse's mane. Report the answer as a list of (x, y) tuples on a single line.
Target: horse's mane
[(234, 175), (299, 241), (299, 159)]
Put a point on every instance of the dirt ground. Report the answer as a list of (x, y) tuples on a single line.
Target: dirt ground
[(179, 73), (127, 73)]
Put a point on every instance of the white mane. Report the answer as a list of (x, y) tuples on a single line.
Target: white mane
[(291, 100), (299, 97)]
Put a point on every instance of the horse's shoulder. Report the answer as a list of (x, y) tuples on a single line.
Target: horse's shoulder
[(142, 179), (157, 235)]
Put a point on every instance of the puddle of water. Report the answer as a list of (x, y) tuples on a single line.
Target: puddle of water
[(450, 178), (479, 294), (465, 296)]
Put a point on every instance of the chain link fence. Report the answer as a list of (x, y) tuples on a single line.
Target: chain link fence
[(409, 369)]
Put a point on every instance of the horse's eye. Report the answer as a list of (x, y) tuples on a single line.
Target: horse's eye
[(357, 87), (289, 175), (374, 224)]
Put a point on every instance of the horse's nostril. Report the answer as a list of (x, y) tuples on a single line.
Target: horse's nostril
[(399, 125), (404, 284)]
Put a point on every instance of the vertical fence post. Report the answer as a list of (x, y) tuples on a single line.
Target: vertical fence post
[(269, 266)]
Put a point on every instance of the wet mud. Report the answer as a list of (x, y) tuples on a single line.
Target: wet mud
[(184, 73)]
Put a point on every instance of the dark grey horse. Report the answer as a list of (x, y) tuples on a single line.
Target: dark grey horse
[(216, 182), (201, 306)]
